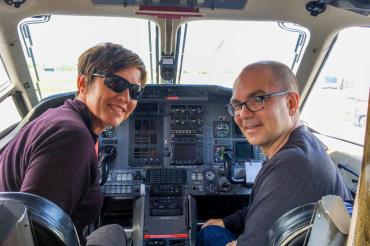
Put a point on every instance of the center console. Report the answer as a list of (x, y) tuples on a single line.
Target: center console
[(178, 155)]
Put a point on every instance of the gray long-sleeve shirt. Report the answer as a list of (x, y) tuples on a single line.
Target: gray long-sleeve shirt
[(54, 157), (301, 172)]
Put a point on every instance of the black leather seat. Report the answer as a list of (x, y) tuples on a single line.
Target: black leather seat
[(50, 225), (293, 227)]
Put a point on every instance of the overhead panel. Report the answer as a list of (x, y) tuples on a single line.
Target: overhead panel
[(212, 4)]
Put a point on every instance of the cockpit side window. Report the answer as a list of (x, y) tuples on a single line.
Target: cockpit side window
[(10, 114), (8, 111), (4, 78), (337, 104)]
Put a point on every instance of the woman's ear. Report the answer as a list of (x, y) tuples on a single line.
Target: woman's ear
[(81, 84), (82, 87)]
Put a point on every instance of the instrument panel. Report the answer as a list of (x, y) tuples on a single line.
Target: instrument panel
[(178, 127), (179, 146)]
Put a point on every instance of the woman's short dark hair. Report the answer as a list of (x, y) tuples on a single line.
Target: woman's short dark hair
[(108, 57)]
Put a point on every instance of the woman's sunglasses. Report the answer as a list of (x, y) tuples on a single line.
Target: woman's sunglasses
[(119, 84)]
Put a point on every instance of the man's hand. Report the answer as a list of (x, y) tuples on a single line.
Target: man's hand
[(217, 222), (232, 243)]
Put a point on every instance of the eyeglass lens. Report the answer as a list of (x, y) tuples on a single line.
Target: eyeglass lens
[(119, 84)]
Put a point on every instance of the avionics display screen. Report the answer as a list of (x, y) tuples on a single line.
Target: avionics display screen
[(185, 152), (237, 131), (243, 151)]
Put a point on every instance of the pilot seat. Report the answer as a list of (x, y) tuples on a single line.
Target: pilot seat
[(28, 219)]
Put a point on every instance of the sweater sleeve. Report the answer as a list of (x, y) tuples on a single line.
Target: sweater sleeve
[(59, 167), (236, 221), (281, 189)]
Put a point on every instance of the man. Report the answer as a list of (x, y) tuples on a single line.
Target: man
[(297, 171), (54, 155)]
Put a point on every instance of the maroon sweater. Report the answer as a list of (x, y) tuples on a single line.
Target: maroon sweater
[(54, 157)]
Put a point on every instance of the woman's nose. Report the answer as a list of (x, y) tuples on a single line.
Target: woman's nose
[(125, 95)]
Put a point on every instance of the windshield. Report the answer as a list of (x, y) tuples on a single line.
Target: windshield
[(216, 51), (215, 58), (57, 43)]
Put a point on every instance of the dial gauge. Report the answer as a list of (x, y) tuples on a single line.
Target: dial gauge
[(222, 130), (209, 175), (109, 132)]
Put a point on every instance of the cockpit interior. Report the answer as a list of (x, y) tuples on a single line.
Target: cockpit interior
[(180, 159)]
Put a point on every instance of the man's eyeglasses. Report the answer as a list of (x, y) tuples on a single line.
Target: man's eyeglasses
[(253, 104), (119, 84)]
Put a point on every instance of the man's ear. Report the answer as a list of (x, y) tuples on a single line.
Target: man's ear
[(293, 103)]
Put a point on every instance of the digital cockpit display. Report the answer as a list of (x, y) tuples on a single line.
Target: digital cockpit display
[(243, 151), (237, 131), (184, 152)]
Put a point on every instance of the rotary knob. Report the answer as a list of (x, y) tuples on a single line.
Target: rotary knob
[(224, 185)]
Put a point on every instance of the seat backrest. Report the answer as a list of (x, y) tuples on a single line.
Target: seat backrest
[(14, 226), (50, 224), (41, 107), (292, 228)]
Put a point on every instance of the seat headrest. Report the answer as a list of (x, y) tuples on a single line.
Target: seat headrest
[(292, 227), (50, 224)]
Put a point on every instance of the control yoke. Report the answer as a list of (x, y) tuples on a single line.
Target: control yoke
[(227, 156), (106, 156)]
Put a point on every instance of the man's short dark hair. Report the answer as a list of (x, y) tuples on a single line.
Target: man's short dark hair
[(109, 57)]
